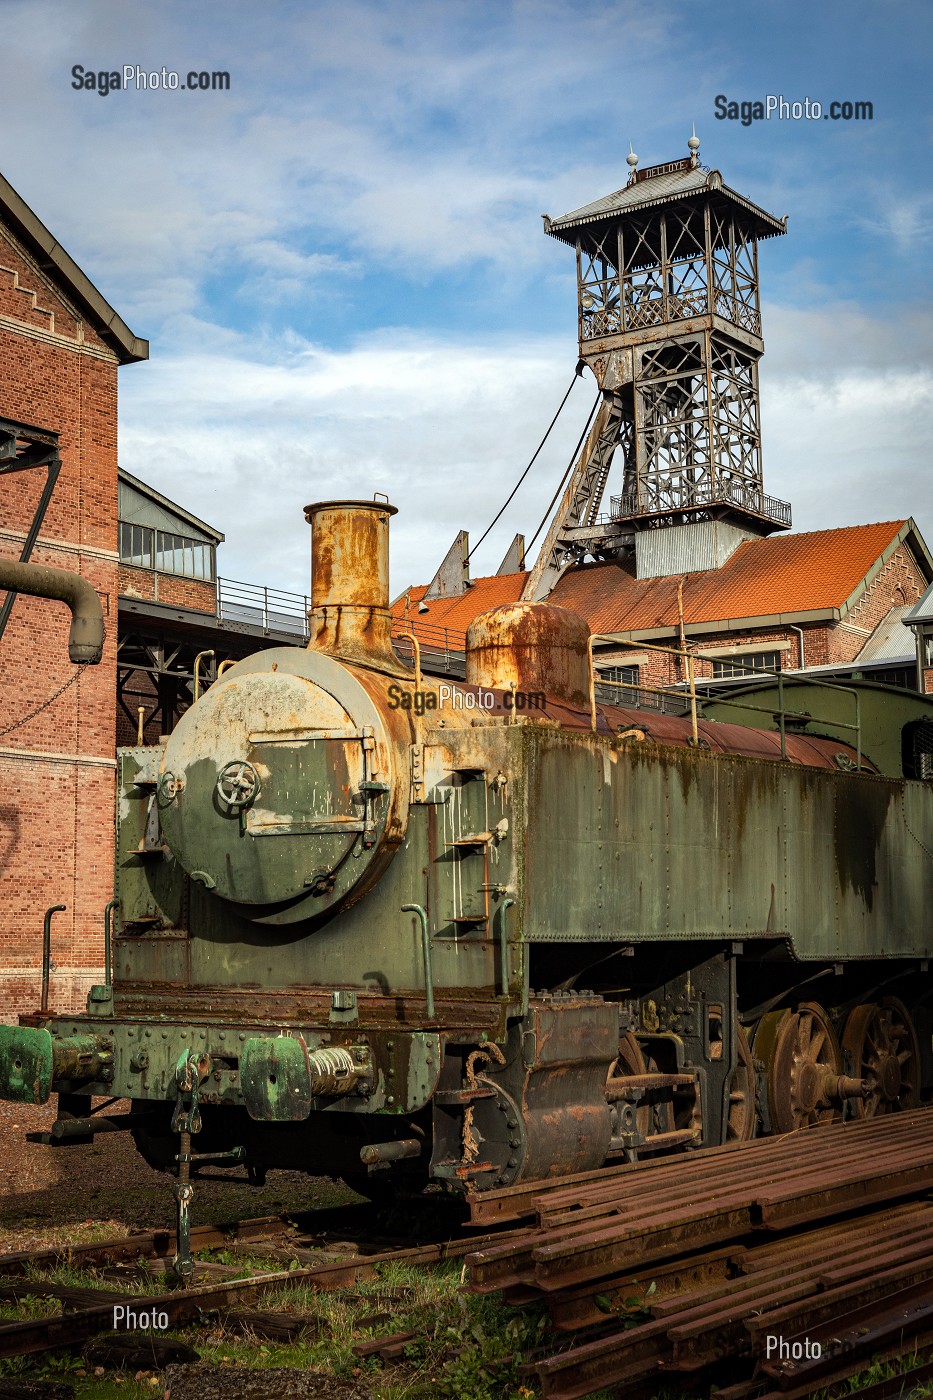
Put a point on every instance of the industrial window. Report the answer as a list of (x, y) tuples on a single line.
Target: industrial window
[(177, 554), (136, 545), (166, 552), (749, 663)]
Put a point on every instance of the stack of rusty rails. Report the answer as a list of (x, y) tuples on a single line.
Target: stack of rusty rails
[(692, 1227)]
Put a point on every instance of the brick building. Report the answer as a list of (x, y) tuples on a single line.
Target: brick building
[(780, 603), (167, 554), (61, 345), (785, 602)]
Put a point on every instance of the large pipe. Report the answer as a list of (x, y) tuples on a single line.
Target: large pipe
[(86, 638), (47, 955)]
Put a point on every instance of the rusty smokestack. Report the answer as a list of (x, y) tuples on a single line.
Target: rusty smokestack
[(350, 616)]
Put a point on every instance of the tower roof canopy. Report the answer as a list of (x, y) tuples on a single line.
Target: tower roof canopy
[(661, 185)]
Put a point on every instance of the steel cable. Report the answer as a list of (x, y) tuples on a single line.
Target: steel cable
[(576, 375), (570, 467)]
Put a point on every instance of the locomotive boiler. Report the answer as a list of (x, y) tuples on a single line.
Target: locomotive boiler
[(481, 933)]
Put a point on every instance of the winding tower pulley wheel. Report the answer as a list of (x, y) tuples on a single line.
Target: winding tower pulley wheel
[(882, 1042), (803, 1059)]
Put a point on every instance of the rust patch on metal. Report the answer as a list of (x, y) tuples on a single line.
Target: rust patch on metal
[(535, 646), (350, 615), (861, 814)]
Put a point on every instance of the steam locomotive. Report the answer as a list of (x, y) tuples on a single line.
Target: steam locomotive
[(485, 933)]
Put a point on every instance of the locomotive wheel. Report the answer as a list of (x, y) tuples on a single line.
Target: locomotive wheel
[(885, 1052), (631, 1060), (804, 1063), (743, 1115)]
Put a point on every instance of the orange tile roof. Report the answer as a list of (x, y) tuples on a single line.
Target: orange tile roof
[(454, 615), (783, 574)]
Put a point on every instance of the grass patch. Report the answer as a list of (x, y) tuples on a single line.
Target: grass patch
[(882, 1371), (464, 1346), (14, 1309)]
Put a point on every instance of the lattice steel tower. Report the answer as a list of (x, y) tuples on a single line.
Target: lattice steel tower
[(670, 325)]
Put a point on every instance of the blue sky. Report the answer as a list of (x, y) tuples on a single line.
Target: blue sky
[(340, 262)]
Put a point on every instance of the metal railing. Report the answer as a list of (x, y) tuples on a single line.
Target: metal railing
[(693, 704), (272, 609), (735, 493), (442, 648), (633, 695), (277, 610)]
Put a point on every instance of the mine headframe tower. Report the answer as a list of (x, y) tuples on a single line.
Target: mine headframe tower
[(670, 325)]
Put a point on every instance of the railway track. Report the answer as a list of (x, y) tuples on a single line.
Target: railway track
[(670, 1273), (292, 1239)]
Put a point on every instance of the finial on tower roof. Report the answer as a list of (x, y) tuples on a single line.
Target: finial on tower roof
[(631, 161), (693, 145)]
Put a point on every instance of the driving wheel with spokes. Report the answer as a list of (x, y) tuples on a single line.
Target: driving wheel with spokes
[(631, 1061), (742, 1122), (885, 1051), (804, 1062)]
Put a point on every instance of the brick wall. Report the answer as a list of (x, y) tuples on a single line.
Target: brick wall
[(656, 668), (168, 588), (899, 581), (57, 769)]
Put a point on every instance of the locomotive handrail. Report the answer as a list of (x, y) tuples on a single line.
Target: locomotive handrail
[(506, 904), (804, 679), (47, 955), (109, 911), (779, 676), (201, 656), (426, 950), (642, 646), (447, 646)]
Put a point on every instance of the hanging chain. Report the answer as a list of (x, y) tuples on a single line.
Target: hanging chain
[(44, 706)]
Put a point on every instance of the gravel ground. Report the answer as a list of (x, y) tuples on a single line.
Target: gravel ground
[(55, 1195), (203, 1382)]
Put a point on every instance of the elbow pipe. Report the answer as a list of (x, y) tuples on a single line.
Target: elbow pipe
[(86, 638)]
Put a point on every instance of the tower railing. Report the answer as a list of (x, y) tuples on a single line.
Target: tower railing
[(640, 312), (745, 496)]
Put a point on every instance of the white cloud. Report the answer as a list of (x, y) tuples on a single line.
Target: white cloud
[(412, 136), (443, 428), (846, 403), (414, 145), (259, 429)]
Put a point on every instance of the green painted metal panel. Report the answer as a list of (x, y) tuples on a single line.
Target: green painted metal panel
[(642, 843), (26, 1063), (275, 1079)]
